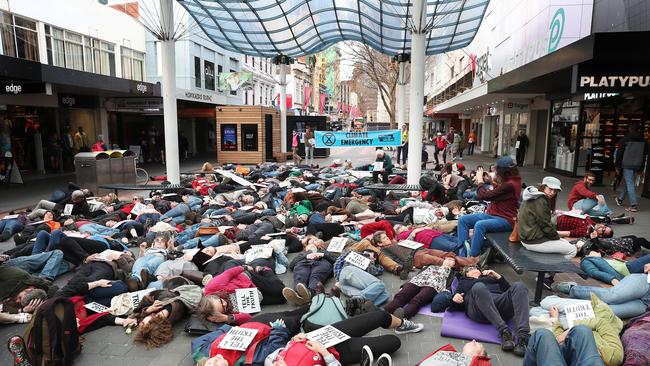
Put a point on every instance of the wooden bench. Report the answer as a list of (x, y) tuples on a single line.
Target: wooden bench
[(395, 187), (522, 259), (174, 188)]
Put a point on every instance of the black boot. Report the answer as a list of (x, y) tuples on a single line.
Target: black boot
[(507, 344), (522, 344)]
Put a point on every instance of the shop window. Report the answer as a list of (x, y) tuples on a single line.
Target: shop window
[(19, 37), (100, 56), (132, 64), (197, 72), (564, 134), (249, 137), (229, 137), (209, 74), (234, 92)]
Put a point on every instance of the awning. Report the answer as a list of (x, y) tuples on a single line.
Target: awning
[(268, 28)]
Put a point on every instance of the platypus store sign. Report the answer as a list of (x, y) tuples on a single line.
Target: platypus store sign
[(329, 139), (610, 79)]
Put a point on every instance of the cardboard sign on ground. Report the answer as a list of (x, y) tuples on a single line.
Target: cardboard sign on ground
[(358, 260), (96, 307), (581, 311), (248, 300), (410, 244), (328, 336), (337, 244)]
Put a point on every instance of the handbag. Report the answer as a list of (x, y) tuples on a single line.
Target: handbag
[(514, 235), (207, 230)]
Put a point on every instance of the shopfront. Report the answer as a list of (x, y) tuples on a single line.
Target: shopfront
[(516, 118)]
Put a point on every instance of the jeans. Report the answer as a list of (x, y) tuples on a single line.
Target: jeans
[(310, 272), (356, 282), (599, 269), (148, 262), (215, 212), (470, 149), (38, 212), (46, 241), (309, 152), (49, 264), (636, 266), (312, 186), (194, 202), (485, 307), (482, 224), (411, 297), (444, 242), (206, 241), (591, 207), (13, 226), (579, 349), (629, 188), (155, 217), (177, 214), (627, 299)]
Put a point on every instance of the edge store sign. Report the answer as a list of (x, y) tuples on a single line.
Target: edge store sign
[(609, 79)]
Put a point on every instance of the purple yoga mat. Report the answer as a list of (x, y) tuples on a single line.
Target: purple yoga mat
[(426, 310), (456, 324)]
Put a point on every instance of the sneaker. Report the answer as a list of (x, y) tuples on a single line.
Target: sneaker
[(408, 266), (467, 247), (133, 284), (520, 348), (409, 327), (17, 348), (353, 306), (484, 258), (293, 297), (206, 279), (384, 360), (367, 357), (507, 344), (548, 283), (633, 208), (368, 307), (335, 291), (618, 201), (303, 292), (563, 287)]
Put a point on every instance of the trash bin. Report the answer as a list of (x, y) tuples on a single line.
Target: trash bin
[(122, 164), (92, 169)]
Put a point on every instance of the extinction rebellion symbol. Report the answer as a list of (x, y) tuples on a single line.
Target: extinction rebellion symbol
[(329, 139), (556, 30)]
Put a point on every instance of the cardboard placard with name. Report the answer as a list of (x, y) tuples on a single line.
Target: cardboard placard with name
[(248, 300), (410, 244), (581, 311), (138, 208), (96, 307), (238, 339), (358, 260), (337, 244), (67, 209), (328, 336)]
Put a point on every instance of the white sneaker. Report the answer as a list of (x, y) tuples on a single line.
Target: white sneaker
[(409, 327)]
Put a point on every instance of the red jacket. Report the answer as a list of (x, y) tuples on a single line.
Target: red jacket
[(229, 281), (578, 192), (504, 199), (373, 227), (476, 361)]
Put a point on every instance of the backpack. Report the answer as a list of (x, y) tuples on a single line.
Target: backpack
[(232, 356), (324, 310), (52, 337), (427, 182)]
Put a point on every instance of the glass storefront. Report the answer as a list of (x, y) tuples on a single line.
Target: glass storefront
[(563, 137), (512, 124)]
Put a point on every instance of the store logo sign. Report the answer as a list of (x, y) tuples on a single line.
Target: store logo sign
[(68, 100), (592, 96), (629, 81), (556, 29), (481, 65), (13, 89), (142, 88)]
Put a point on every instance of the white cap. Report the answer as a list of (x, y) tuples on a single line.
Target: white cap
[(552, 183)]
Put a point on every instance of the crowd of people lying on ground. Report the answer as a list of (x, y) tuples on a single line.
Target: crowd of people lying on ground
[(150, 263)]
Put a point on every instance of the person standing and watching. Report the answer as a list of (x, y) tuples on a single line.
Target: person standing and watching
[(450, 142), (630, 159), (522, 145), (471, 141), (81, 140), (588, 202), (294, 147), (403, 149), (309, 145), (441, 146)]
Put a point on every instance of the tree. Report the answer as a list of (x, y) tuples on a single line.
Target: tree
[(380, 71)]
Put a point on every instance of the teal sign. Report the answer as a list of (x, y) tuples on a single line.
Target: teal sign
[(556, 29), (329, 139)]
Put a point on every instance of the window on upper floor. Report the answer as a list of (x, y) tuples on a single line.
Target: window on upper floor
[(234, 92), (99, 56), (209, 74), (197, 72), (132, 64), (19, 37)]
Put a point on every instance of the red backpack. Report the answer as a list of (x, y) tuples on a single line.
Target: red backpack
[(297, 354), (232, 356)]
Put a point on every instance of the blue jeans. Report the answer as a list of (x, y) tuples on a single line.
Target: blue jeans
[(627, 299), (12, 225), (148, 262), (155, 217), (177, 214), (579, 349), (444, 242), (215, 211), (195, 202), (49, 264), (629, 188), (46, 241), (206, 241), (591, 207), (636, 266), (482, 224), (356, 282), (316, 218), (103, 295), (599, 269), (312, 186)]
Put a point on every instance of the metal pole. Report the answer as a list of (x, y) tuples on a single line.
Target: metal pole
[(418, 44), (401, 97), (283, 107), (170, 114)]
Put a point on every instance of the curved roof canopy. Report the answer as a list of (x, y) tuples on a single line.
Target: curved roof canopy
[(269, 28)]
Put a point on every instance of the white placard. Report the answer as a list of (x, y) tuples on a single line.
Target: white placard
[(581, 311), (410, 244), (517, 144), (378, 166), (235, 178), (138, 208), (282, 218), (285, 184), (96, 307), (276, 234), (136, 297), (337, 244), (222, 229), (338, 218), (574, 213), (358, 260), (106, 254), (648, 277), (298, 190), (246, 208), (9, 217), (248, 300), (258, 251), (67, 210), (238, 339), (328, 336)]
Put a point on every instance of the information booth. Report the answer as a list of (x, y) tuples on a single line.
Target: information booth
[(248, 135)]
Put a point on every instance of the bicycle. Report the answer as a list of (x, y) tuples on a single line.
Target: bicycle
[(141, 175)]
